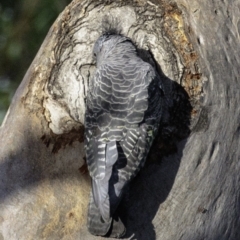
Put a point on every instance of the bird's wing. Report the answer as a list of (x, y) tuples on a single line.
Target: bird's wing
[(116, 137)]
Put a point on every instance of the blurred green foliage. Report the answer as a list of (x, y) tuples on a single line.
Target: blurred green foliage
[(23, 27)]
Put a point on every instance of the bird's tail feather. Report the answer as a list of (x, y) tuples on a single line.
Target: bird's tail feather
[(96, 225), (101, 198)]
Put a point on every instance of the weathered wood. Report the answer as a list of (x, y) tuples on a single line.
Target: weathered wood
[(192, 191)]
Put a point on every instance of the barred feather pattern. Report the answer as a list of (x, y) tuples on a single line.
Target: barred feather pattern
[(123, 111)]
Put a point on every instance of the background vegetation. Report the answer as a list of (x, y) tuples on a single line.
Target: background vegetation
[(23, 27)]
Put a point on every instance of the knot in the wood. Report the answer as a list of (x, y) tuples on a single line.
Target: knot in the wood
[(155, 27)]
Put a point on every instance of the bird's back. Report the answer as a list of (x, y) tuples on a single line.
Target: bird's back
[(120, 127)]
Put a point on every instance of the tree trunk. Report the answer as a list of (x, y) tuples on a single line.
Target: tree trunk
[(190, 189)]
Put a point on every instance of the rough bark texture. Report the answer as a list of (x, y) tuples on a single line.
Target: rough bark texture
[(191, 189)]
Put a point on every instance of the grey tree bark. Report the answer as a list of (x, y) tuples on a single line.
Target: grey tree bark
[(190, 189)]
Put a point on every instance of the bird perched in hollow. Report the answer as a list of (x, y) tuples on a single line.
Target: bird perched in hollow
[(123, 112)]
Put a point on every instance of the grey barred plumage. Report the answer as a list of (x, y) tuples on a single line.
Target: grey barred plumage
[(123, 112)]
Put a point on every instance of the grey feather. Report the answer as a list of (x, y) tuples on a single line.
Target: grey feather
[(123, 112)]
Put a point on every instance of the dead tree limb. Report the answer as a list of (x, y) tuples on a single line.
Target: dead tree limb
[(192, 191)]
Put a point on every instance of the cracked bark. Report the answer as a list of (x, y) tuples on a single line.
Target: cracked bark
[(189, 191)]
